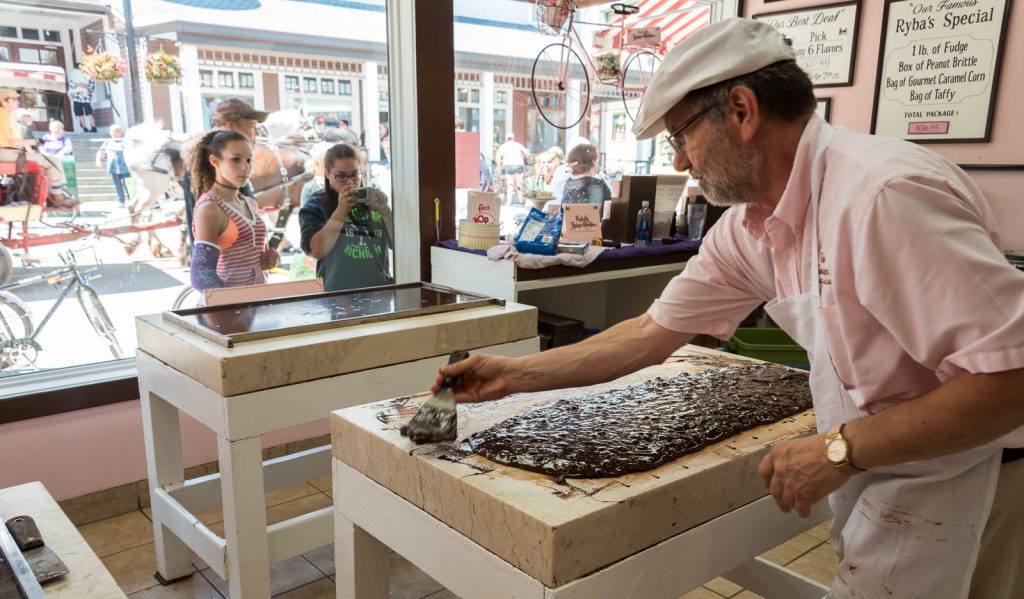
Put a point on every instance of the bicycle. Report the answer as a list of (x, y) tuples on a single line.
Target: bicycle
[(557, 63), (19, 346)]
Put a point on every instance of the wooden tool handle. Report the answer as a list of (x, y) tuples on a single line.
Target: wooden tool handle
[(456, 356), (25, 532)]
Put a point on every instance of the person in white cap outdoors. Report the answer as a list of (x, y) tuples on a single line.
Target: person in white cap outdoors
[(12, 145), (881, 258)]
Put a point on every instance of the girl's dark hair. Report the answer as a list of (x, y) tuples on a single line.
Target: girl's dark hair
[(336, 152), (582, 158), (211, 144)]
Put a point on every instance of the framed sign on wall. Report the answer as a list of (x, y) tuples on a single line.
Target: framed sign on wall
[(938, 69), (824, 109), (824, 40)]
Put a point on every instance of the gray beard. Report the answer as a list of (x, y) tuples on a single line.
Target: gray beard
[(732, 174)]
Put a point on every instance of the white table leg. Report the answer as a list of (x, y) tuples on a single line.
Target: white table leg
[(245, 517), (361, 562), (163, 461)]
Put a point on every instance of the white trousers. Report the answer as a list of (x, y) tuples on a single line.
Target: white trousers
[(53, 170)]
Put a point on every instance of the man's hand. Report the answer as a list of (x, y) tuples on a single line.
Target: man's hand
[(483, 378), (798, 475)]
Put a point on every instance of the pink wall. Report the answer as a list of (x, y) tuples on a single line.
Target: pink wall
[(100, 448), (851, 108)]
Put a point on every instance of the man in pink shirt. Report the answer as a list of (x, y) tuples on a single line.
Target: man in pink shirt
[(881, 258)]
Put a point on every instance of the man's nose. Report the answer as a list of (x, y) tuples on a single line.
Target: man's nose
[(681, 162)]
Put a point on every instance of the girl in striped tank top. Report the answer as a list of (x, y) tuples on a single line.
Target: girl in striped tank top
[(230, 238)]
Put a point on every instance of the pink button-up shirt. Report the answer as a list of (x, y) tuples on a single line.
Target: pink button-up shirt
[(914, 286)]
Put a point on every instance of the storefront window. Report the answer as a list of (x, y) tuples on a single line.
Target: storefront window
[(329, 62), (534, 93)]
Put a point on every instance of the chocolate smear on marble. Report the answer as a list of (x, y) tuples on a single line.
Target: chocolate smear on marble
[(643, 426)]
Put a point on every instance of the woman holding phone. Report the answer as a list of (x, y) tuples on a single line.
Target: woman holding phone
[(347, 227)]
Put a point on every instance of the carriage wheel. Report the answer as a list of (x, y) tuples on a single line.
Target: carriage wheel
[(559, 63), (6, 265), (636, 76)]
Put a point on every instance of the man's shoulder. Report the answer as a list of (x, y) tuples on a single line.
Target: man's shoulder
[(876, 159)]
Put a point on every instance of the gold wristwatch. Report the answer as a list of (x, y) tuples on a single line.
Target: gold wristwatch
[(837, 451)]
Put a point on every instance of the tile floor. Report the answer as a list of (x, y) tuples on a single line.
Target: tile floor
[(125, 544)]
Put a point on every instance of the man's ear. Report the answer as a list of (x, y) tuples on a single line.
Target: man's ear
[(744, 112)]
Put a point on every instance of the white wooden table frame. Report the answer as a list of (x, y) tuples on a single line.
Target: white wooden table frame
[(243, 556), (369, 519)]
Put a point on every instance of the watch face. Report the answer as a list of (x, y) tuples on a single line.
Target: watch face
[(835, 451)]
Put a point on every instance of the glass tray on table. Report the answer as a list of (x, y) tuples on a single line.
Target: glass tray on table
[(229, 324)]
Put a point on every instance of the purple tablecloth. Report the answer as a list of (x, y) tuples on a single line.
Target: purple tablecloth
[(626, 251)]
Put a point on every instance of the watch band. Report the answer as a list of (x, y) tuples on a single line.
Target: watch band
[(844, 466)]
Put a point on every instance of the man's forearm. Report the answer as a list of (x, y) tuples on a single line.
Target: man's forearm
[(967, 411), (622, 349)]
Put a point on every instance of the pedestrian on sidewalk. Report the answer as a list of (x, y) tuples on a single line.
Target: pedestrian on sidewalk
[(112, 152)]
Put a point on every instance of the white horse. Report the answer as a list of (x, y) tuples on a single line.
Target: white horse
[(153, 157), (286, 124)]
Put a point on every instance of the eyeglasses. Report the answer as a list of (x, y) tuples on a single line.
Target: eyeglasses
[(675, 137), (343, 177)]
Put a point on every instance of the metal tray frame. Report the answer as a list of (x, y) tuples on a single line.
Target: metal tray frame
[(175, 317)]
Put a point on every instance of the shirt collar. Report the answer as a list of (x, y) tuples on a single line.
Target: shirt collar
[(792, 207)]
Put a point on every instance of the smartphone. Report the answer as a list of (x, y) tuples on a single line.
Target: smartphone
[(362, 195)]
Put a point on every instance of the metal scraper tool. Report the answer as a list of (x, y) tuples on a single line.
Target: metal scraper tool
[(437, 419), (45, 564)]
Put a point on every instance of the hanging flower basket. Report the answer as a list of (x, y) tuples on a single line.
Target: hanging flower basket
[(103, 66), (163, 68)]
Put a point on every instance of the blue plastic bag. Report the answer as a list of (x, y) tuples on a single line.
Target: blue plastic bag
[(539, 233)]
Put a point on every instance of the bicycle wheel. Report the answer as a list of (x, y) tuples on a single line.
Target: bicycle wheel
[(636, 76), (187, 298), (6, 265), (15, 323), (97, 315), (553, 69)]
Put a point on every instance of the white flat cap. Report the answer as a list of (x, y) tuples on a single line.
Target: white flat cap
[(718, 52)]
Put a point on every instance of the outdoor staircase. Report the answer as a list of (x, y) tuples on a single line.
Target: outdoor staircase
[(94, 183)]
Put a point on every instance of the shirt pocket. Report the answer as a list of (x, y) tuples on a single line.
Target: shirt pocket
[(837, 348)]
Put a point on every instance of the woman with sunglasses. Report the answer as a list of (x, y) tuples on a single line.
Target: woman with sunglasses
[(347, 227)]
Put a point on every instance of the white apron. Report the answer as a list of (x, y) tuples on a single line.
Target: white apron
[(909, 530)]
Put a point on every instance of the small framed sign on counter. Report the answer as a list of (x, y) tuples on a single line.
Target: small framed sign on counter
[(938, 69), (824, 40)]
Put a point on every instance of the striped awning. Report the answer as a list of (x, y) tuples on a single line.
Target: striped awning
[(33, 76), (676, 18)]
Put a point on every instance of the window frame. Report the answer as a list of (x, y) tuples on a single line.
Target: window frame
[(32, 395)]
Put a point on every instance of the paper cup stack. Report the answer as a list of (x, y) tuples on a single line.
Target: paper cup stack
[(478, 236)]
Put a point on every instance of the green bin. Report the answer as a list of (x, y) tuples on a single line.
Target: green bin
[(768, 344), (71, 174)]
